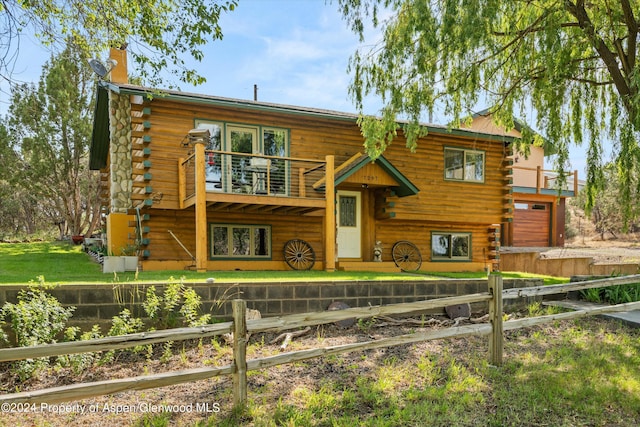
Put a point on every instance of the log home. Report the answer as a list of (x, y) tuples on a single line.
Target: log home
[(539, 209), (211, 183)]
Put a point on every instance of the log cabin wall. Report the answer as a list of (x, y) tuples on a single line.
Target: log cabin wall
[(160, 126)]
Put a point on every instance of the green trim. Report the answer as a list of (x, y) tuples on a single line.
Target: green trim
[(464, 156), (146, 139), (146, 151), (544, 191), (150, 94), (99, 151), (229, 225), (404, 187), (146, 111), (451, 259)]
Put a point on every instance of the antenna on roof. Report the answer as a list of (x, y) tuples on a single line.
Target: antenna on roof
[(255, 92)]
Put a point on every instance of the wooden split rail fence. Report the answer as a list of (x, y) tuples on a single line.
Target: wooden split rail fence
[(241, 327)]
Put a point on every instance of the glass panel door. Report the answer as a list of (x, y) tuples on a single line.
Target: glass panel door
[(275, 144), (213, 163), (240, 140)]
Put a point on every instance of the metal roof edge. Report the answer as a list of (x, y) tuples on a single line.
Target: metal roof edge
[(283, 108)]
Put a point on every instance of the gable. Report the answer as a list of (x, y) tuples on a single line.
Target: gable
[(359, 169)]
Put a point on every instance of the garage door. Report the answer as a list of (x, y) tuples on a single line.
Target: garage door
[(531, 224)]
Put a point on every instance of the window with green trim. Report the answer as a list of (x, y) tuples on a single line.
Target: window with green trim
[(240, 241), (463, 165), (450, 246)]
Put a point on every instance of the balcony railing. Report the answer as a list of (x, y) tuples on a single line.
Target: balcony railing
[(541, 179), (253, 175)]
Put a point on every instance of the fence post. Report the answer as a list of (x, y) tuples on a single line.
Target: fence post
[(239, 353), (496, 338)]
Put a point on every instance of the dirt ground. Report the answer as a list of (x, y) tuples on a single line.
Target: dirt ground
[(621, 250), (202, 400)]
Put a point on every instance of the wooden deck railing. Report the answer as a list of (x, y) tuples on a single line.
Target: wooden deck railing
[(544, 181), (240, 326)]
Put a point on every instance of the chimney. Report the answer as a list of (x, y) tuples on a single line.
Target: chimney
[(119, 72)]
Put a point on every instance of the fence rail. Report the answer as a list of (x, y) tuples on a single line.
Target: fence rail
[(240, 326)]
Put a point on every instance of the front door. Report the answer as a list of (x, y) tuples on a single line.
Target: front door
[(349, 224)]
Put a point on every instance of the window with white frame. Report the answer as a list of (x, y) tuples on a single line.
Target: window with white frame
[(240, 241), (450, 246), (463, 165)]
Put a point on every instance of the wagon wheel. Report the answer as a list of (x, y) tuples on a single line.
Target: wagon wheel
[(299, 254), (406, 255)]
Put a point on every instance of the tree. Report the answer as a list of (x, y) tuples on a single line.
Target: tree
[(160, 33), (572, 63), (44, 152)]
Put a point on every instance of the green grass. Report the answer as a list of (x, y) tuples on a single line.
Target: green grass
[(574, 373), (548, 280), (63, 263)]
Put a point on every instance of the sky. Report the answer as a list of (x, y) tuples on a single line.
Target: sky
[(295, 51)]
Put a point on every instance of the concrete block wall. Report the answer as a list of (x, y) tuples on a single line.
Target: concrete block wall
[(99, 303)]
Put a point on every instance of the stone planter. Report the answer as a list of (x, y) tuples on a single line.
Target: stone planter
[(130, 262), (113, 264)]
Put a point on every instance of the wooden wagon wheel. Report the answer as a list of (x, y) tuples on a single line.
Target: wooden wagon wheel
[(406, 255), (299, 254)]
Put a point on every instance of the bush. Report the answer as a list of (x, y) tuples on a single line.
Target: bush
[(37, 318)]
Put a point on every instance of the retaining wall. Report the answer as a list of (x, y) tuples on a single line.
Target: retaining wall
[(96, 303), (531, 262)]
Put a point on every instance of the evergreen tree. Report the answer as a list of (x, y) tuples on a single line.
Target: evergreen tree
[(45, 149)]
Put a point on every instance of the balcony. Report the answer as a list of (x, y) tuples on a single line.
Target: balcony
[(255, 183), (535, 180)]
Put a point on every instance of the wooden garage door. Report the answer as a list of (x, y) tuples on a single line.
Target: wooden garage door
[(531, 224)]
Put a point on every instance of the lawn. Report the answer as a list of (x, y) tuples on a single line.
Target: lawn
[(64, 263)]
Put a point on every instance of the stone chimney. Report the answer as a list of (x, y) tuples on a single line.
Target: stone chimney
[(119, 72)]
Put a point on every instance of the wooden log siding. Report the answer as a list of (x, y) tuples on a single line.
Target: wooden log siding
[(182, 223), (440, 204)]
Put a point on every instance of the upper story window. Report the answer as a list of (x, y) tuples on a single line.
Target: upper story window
[(463, 165), (242, 173)]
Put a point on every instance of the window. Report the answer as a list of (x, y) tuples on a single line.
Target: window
[(348, 211), (463, 165), (213, 165), (240, 241), (236, 173), (450, 246)]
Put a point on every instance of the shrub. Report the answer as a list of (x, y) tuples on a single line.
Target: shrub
[(37, 318)]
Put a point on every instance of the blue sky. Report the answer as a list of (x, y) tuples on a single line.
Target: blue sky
[(295, 51)]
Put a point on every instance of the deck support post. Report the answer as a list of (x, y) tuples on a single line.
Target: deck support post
[(330, 216), (496, 338), (201, 206)]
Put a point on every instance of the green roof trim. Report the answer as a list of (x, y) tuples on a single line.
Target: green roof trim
[(404, 187), (99, 151), (194, 98)]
